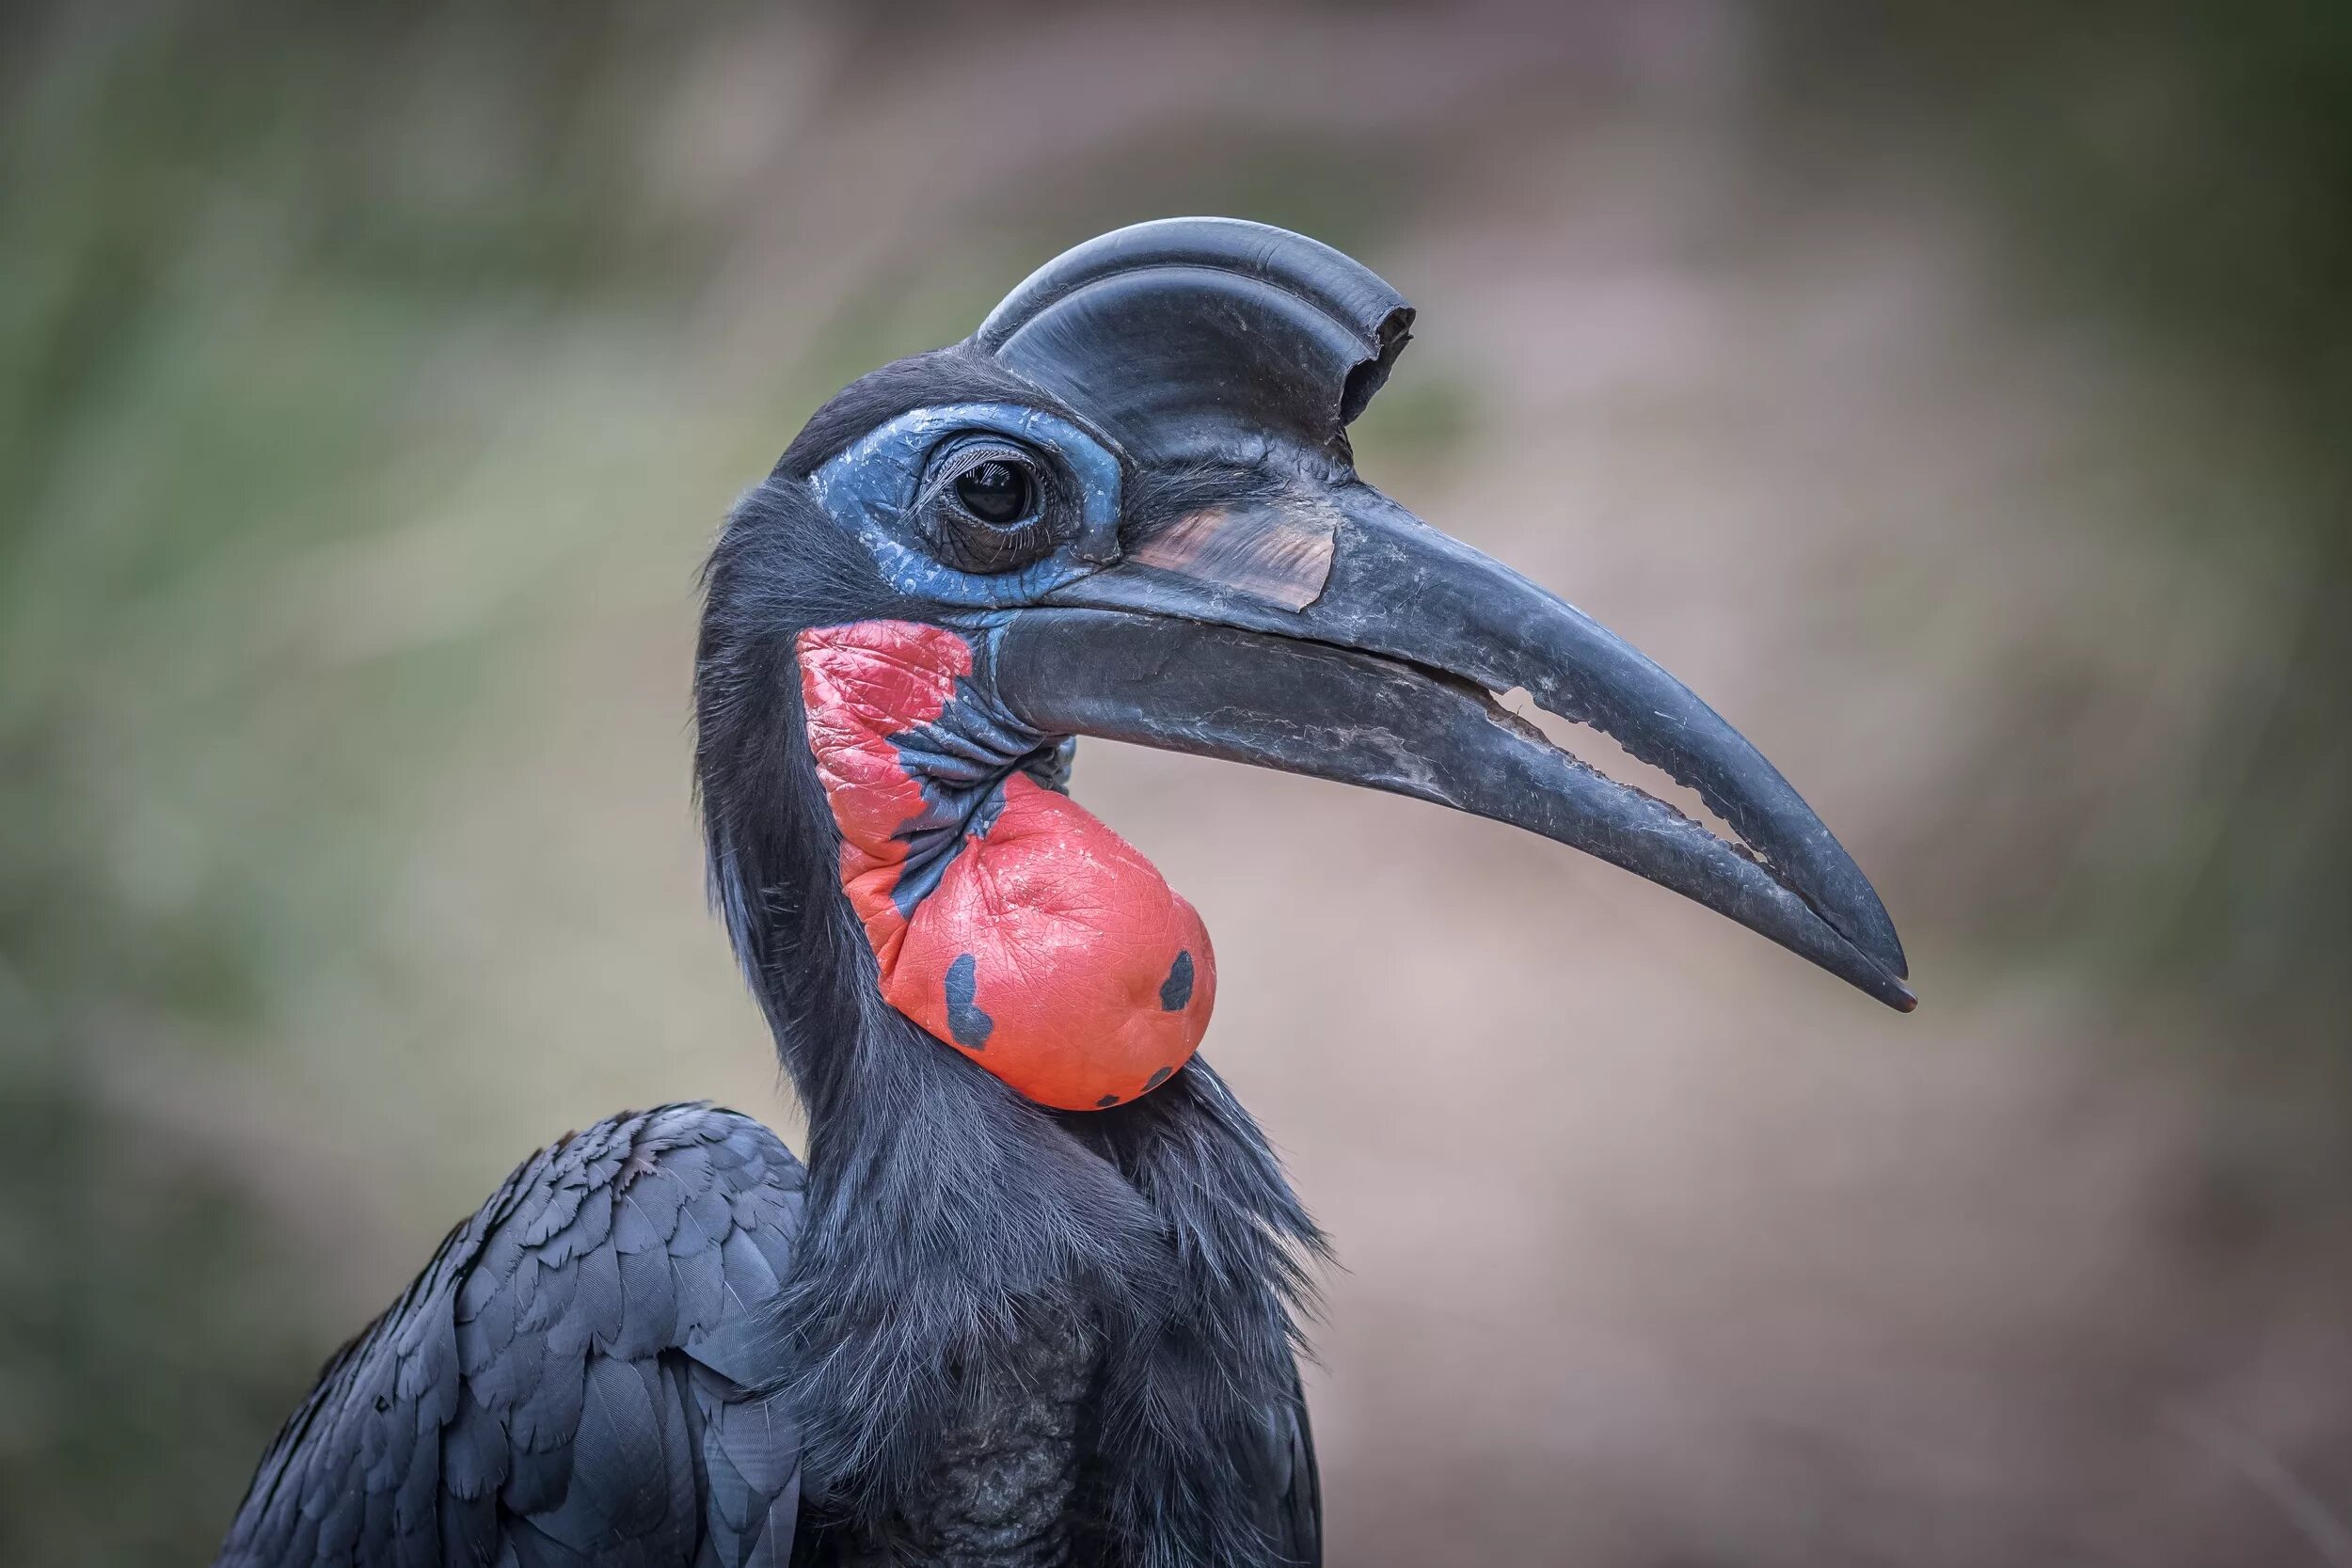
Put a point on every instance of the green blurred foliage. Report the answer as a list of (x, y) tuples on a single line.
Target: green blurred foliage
[(233, 277)]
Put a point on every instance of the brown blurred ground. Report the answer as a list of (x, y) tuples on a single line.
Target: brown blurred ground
[(375, 387)]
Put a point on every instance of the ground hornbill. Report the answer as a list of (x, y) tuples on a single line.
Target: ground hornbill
[(1035, 1297)]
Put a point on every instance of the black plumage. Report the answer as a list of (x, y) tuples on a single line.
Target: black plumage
[(565, 1381)]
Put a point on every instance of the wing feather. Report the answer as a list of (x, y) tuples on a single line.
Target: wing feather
[(1293, 1483), (534, 1398)]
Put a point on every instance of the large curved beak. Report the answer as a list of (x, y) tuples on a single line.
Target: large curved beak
[(1324, 630)]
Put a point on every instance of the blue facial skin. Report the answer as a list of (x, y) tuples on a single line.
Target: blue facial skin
[(874, 487)]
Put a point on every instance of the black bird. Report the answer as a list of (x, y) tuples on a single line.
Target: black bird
[(1035, 1297)]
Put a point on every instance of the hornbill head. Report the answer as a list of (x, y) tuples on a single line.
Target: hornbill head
[(1126, 507)]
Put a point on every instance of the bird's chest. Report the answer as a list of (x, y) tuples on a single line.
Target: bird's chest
[(1007, 1486)]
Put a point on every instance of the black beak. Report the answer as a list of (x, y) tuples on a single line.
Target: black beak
[(1290, 616), (1387, 680)]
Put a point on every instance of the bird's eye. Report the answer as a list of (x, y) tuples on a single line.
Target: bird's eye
[(996, 492), (991, 507)]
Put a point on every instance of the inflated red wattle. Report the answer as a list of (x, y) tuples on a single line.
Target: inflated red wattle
[(1050, 951)]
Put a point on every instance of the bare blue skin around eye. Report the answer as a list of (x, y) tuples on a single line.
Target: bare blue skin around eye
[(870, 488)]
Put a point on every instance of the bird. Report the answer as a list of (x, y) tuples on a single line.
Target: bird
[(1036, 1295)]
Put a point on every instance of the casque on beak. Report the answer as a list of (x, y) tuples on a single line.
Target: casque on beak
[(1270, 608)]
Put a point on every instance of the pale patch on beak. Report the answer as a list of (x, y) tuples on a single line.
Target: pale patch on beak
[(1275, 550)]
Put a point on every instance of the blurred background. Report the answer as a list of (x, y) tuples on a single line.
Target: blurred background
[(1959, 398)]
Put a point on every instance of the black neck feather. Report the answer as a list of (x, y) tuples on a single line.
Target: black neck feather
[(949, 1222)]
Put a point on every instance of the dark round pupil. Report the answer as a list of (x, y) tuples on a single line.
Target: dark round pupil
[(995, 491)]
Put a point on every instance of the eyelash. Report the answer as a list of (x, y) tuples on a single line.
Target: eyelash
[(970, 543)]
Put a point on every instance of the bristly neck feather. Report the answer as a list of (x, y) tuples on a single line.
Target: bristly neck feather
[(948, 1218)]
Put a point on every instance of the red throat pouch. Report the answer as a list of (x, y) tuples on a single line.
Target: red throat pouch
[(1006, 919)]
